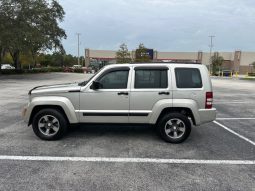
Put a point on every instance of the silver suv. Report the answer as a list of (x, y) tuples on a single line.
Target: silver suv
[(173, 97)]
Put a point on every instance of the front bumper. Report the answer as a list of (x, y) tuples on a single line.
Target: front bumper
[(207, 115)]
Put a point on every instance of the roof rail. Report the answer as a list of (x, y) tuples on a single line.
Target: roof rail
[(166, 63)]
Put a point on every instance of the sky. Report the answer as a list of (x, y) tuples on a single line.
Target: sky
[(164, 25)]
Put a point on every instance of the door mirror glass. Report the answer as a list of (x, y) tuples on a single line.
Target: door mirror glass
[(95, 85)]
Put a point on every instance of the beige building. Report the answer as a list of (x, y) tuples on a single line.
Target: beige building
[(236, 61)]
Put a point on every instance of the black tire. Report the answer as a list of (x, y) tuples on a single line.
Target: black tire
[(62, 124), (169, 137)]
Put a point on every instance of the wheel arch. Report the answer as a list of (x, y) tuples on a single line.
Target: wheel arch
[(38, 108), (183, 110), (62, 104)]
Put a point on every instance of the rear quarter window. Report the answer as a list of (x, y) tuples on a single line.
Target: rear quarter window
[(188, 78)]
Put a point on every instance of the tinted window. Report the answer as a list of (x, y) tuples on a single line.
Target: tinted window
[(114, 80), (150, 78), (188, 78)]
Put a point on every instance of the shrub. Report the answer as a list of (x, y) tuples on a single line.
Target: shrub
[(78, 70), (33, 71), (44, 70), (8, 71), (37, 70), (40, 70), (55, 69), (251, 74)]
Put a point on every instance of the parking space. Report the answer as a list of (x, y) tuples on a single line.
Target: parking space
[(244, 127), (197, 164), (234, 100)]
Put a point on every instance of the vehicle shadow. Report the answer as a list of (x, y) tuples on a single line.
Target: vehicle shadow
[(92, 130)]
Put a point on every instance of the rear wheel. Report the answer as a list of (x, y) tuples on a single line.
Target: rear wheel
[(174, 128), (49, 124)]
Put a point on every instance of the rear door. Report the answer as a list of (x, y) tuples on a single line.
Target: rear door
[(149, 85), (188, 84)]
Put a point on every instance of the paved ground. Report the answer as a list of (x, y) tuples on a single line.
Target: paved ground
[(234, 99)]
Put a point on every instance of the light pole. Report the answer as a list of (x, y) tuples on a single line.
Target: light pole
[(78, 35), (211, 46)]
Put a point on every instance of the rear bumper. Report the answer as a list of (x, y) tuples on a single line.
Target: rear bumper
[(207, 115)]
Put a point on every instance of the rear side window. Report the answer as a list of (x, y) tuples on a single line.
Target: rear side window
[(151, 78), (188, 78)]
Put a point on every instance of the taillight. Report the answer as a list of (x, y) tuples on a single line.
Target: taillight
[(208, 100)]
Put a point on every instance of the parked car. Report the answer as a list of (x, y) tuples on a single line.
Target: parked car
[(172, 97), (87, 70), (7, 67), (76, 66), (227, 73), (68, 69)]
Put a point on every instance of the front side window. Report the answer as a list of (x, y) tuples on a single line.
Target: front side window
[(151, 78), (188, 78), (114, 80)]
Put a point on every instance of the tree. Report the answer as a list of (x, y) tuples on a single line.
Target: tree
[(4, 25), (253, 64), (123, 56), (30, 25), (45, 33), (217, 62), (57, 59), (141, 54), (2, 54), (70, 60)]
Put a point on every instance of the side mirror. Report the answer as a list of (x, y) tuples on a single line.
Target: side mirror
[(95, 85)]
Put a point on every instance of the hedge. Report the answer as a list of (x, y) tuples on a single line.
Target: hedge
[(251, 74), (78, 70), (38, 70), (8, 71)]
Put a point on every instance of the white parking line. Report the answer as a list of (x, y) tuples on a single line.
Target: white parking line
[(235, 133), (240, 118), (127, 160)]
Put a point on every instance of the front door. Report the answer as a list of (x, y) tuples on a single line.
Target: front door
[(109, 103)]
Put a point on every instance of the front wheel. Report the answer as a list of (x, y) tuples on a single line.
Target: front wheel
[(49, 124), (174, 128)]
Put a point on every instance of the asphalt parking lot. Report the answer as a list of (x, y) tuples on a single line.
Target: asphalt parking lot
[(216, 156)]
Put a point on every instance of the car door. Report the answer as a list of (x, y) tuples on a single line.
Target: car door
[(109, 103), (150, 85)]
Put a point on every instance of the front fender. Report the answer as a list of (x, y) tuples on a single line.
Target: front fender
[(63, 102)]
